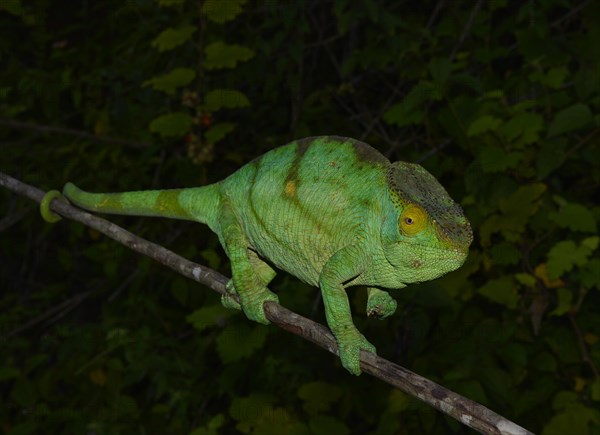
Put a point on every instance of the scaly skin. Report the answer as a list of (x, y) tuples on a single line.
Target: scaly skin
[(331, 211)]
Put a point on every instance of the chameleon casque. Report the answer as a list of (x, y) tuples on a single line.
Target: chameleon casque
[(330, 210)]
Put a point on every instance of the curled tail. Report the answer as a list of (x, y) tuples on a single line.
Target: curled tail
[(198, 204)]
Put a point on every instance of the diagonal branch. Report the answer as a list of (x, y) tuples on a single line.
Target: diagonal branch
[(466, 411)]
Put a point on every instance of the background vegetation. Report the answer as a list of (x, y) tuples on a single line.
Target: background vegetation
[(499, 100)]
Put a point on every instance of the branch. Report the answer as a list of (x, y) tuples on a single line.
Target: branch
[(468, 412)]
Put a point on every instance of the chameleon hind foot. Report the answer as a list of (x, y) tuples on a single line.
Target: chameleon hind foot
[(47, 214), (252, 304)]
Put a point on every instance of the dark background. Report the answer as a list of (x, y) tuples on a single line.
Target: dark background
[(498, 99)]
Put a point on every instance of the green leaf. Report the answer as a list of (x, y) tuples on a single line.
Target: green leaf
[(318, 396), (224, 98), (566, 254), (174, 79), (483, 124), (575, 217), (501, 291), (220, 55), (171, 124), (171, 38), (570, 119), (212, 315), (221, 11), (240, 341), (218, 131)]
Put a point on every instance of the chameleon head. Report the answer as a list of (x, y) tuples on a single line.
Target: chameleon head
[(427, 234)]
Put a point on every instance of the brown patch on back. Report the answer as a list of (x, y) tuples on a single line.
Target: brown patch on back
[(290, 189)]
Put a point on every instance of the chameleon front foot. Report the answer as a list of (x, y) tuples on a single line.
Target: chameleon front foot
[(47, 214), (380, 304), (350, 344)]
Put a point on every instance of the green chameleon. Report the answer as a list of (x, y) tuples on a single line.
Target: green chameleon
[(331, 211)]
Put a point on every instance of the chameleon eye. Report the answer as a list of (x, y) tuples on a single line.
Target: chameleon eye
[(413, 220)]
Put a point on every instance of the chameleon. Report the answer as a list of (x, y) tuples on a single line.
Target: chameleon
[(331, 211)]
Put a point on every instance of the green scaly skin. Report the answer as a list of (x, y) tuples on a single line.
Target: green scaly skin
[(331, 211)]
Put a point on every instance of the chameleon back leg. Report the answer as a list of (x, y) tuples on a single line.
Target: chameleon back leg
[(265, 272), (249, 274)]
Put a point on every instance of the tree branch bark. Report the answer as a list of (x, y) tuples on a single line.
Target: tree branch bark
[(466, 411)]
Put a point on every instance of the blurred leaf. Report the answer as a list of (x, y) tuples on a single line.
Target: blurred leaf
[(494, 159), (174, 79), (224, 98), (501, 291), (440, 69), (564, 302), (483, 124), (570, 119), (221, 11), (524, 126), (218, 131), (572, 420), (239, 341), (212, 315), (322, 424), (551, 156), (409, 110), (171, 124), (7, 373), (525, 279), (212, 428), (574, 216), (566, 254), (220, 55), (170, 38), (318, 396)]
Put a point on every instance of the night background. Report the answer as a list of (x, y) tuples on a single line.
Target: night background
[(499, 100)]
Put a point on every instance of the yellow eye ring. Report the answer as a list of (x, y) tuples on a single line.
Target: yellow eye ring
[(413, 220)]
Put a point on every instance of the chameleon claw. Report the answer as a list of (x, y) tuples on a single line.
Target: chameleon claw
[(47, 214), (227, 300)]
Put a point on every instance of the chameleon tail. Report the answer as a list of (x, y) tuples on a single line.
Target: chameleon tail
[(198, 204)]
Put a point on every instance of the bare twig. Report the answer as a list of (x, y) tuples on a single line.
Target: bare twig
[(68, 131), (466, 411), (466, 29)]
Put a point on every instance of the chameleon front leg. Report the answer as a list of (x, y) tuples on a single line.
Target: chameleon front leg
[(341, 267), (250, 275), (379, 303)]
